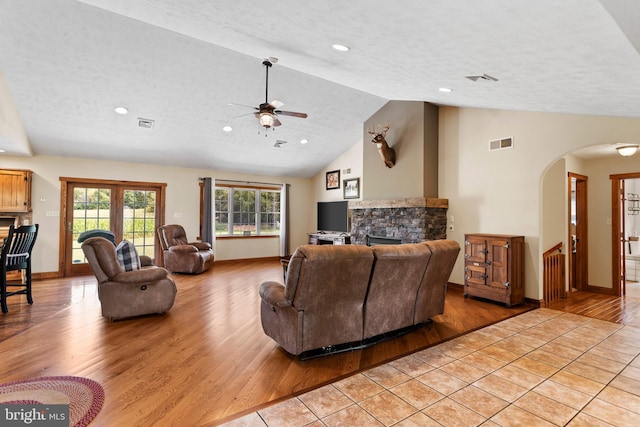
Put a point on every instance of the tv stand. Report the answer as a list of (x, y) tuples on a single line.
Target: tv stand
[(329, 239)]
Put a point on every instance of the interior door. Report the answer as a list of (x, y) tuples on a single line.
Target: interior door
[(622, 239), (578, 232), (618, 235)]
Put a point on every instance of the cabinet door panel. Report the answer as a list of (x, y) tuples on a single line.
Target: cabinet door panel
[(475, 249), (476, 274), (498, 262), (15, 191)]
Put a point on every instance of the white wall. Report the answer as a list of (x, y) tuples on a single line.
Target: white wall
[(182, 202), (406, 136), (349, 160), (12, 133), (554, 205), (499, 191)]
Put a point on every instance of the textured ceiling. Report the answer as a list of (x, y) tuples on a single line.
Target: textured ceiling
[(68, 63)]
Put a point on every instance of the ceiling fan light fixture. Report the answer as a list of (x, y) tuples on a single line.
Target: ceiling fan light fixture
[(266, 119), (627, 150)]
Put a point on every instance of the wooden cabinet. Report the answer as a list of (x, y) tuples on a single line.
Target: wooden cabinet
[(494, 267), (15, 190)]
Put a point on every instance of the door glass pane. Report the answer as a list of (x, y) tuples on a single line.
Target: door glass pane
[(139, 220), (91, 210)]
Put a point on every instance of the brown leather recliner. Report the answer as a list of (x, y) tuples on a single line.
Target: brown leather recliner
[(182, 256), (127, 293), (343, 297)]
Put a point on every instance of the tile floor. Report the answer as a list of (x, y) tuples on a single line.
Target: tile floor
[(542, 368)]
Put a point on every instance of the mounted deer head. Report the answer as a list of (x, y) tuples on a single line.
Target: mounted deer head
[(387, 153)]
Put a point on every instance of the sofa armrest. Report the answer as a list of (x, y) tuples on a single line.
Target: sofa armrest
[(183, 249), (273, 293), (201, 246), (144, 275)]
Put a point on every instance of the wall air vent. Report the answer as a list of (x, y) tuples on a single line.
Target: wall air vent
[(501, 144), (145, 123)]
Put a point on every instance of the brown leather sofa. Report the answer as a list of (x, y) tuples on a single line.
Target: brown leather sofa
[(124, 294), (342, 297), (182, 256)]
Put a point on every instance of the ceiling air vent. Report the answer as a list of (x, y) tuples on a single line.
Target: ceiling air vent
[(279, 143), (501, 144), (145, 123), (482, 78)]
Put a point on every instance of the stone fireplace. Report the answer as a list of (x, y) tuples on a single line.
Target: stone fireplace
[(408, 220)]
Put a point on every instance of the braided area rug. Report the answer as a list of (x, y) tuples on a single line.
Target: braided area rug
[(84, 396)]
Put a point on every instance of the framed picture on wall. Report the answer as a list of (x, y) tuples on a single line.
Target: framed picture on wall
[(351, 188), (333, 180)]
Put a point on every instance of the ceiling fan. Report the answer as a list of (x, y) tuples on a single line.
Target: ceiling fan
[(267, 113)]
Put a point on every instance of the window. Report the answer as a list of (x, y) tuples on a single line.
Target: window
[(247, 211)]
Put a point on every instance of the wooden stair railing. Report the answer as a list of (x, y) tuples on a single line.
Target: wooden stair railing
[(554, 274)]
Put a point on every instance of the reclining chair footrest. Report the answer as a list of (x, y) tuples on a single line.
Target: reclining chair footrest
[(358, 345)]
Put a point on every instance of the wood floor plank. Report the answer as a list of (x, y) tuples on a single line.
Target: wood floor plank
[(208, 359)]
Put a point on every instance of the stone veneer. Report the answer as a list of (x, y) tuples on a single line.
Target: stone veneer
[(411, 220)]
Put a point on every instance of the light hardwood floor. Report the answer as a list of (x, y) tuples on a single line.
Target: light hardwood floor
[(207, 361)]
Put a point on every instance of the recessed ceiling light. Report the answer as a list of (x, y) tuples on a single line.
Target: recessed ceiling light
[(445, 90), (304, 141), (341, 47), (121, 110), (227, 128)]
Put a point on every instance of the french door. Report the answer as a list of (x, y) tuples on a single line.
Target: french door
[(131, 210), (619, 234)]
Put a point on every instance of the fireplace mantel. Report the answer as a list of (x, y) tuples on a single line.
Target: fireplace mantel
[(399, 203)]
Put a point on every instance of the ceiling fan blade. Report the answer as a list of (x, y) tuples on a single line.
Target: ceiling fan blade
[(276, 122), (243, 115), (276, 104), (291, 113), (242, 105)]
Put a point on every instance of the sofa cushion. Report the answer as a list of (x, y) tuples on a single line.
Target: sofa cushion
[(397, 274), (128, 256)]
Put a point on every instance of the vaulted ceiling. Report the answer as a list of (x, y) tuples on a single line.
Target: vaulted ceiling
[(68, 63)]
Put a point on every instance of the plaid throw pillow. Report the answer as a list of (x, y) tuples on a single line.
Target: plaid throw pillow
[(128, 256)]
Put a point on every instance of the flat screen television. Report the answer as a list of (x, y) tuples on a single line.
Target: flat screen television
[(333, 216)]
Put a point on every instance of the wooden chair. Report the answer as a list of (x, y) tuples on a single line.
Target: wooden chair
[(16, 255)]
